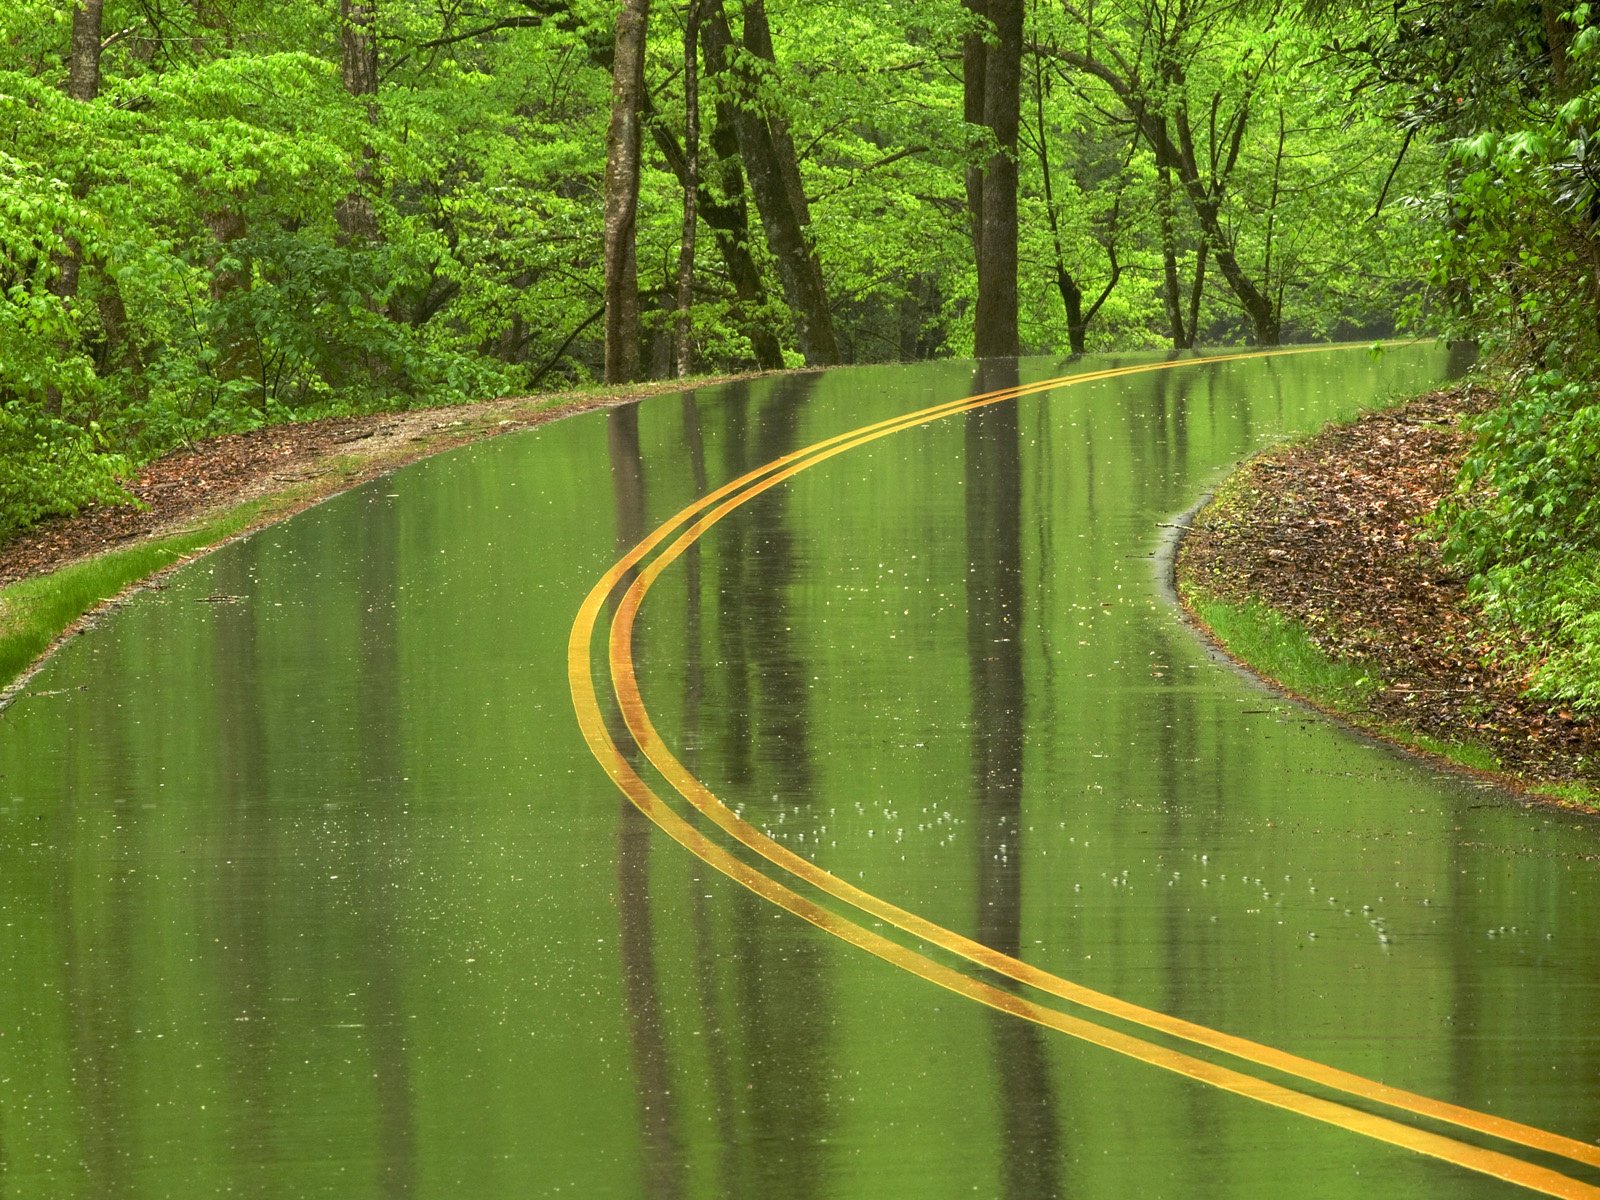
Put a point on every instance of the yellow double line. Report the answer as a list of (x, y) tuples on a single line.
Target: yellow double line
[(688, 526)]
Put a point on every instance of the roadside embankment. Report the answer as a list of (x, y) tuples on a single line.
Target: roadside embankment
[(1311, 567)]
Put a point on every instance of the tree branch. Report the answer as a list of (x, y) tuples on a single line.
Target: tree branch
[(562, 349)]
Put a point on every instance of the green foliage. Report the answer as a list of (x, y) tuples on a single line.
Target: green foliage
[(48, 466), (1526, 522), (203, 197), (1513, 92)]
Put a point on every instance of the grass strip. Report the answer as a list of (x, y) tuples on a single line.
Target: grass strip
[(34, 612), (1282, 651)]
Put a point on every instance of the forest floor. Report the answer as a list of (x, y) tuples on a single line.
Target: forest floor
[(1327, 532)]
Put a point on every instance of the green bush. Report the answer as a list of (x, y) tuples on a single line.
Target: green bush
[(49, 466), (1525, 521)]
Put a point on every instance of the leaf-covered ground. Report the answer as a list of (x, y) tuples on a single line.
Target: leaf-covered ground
[(1328, 532)]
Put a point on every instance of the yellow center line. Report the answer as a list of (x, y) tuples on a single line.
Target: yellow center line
[(644, 732), (705, 513)]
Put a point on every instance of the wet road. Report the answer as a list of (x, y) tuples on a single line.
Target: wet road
[(312, 885)]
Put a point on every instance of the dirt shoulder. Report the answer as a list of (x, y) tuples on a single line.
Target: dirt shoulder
[(1326, 532), (312, 461)]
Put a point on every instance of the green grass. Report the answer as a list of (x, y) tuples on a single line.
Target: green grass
[(1577, 794), (1469, 754), (33, 612), (1283, 651)]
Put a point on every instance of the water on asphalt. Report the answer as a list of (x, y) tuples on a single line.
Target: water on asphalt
[(309, 885)]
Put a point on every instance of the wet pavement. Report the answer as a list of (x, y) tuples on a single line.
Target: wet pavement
[(312, 887)]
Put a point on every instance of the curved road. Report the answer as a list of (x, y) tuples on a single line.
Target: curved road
[(310, 885), (623, 589)]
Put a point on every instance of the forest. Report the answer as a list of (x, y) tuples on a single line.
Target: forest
[(220, 214)]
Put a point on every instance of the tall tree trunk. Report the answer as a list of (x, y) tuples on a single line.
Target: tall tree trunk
[(730, 224), (83, 84), (798, 270), (996, 334), (1197, 287), (359, 62), (1072, 302), (974, 57), (83, 71), (623, 145), (1171, 297), (758, 40), (691, 186)]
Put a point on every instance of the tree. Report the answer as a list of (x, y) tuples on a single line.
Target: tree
[(1092, 149), (992, 91), (623, 140), (1513, 93), (273, 212), (83, 85), (768, 155), (691, 185), (359, 70)]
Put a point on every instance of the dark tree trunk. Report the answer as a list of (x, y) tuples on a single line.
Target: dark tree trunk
[(1197, 289), (358, 48), (359, 61), (798, 270), (730, 224), (1072, 301), (1171, 295), (758, 40), (83, 84), (691, 186), (623, 145), (974, 57), (996, 334)]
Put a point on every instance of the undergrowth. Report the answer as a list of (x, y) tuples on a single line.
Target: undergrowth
[(1525, 523)]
